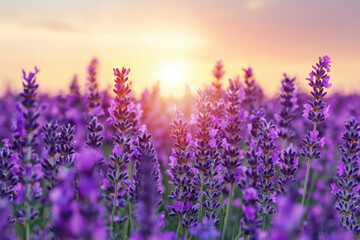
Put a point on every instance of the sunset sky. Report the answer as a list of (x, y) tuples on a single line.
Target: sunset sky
[(178, 42)]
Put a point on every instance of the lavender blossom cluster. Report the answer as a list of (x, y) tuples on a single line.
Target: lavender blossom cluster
[(226, 162)]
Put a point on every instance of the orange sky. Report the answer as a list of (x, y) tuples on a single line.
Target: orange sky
[(160, 39)]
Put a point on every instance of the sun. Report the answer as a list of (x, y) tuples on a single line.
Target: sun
[(172, 76)]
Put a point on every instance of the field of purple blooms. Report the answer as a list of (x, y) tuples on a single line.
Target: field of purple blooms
[(228, 163)]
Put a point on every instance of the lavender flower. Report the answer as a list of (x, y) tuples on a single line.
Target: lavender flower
[(250, 222), (266, 185), (74, 86), (89, 210), (347, 187), (316, 111), (6, 224), (205, 230), (218, 73), (185, 193), (122, 118), (255, 122), (25, 142), (288, 103), (61, 197), (253, 92), (146, 184), (65, 146), (94, 96), (288, 163), (7, 176), (253, 153), (206, 158), (232, 157), (94, 137), (51, 140), (286, 223)]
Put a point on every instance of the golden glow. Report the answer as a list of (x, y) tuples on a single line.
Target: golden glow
[(175, 42), (172, 76)]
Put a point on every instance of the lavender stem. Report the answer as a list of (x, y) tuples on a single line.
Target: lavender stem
[(306, 182), (115, 196), (227, 211)]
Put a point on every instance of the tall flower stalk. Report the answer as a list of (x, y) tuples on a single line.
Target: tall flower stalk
[(94, 96), (147, 188), (203, 160), (218, 72), (316, 111), (253, 92), (29, 112), (94, 136), (267, 173), (347, 187), (185, 194), (232, 156), (288, 102), (120, 118)]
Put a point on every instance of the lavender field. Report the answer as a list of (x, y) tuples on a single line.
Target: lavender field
[(225, 162)]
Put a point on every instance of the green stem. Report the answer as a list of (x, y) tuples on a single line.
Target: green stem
[(284, 143), (227, 211), (306, 182), (178, 228), (201, 196), (307, 174), (115, 197), (130, 172), (186, 233), (129, 225), (344, 223), (27, 236), (312, 186), (264, 222)]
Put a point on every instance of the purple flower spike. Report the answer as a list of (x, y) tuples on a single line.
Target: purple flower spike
[(124, 118), (205, 230), (288, 163), (288, 101), (24, 143), (94, 96), (51, 139), (218, 73), (347, 186), (253, 92), (65, 146), (207, 158), (7, 177), (185, 193), (94, 137), (316, 111), (147, 188), (232, 158), (251, 221), (6, 223), (266, 186)]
